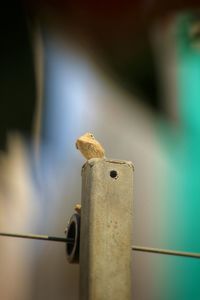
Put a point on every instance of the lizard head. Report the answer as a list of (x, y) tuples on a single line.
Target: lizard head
[(89, 146)]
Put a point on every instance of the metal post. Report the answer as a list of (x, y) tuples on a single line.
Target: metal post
[(106, 230)]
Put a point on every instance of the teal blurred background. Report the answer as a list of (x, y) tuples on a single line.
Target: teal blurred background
[(181, 144)]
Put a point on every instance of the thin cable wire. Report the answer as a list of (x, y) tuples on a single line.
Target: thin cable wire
[(71, 241), (165, 252), (38, 237)]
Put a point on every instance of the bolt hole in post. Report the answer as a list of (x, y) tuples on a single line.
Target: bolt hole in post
[(73, 233), (113, 174)]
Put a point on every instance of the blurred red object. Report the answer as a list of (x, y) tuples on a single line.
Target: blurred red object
[(106, 19), (119, 11)]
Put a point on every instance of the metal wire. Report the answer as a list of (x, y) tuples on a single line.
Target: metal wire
[(71, 241), (166, 252), (38, 237)]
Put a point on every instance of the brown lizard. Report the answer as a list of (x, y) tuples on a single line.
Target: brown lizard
[(90, 148)]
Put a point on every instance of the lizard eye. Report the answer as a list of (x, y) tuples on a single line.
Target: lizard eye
[(91, 135)]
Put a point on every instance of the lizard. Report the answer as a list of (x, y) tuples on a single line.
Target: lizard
[(90, 148)]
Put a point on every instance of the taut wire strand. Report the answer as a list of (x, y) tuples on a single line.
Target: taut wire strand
[(165, 252), (38, 237)]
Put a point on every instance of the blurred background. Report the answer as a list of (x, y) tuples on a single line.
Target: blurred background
[(130, 74)]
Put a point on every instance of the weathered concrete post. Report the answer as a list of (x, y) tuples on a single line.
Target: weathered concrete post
[(106, 230)]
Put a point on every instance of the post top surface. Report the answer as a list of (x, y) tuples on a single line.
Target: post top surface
[(94, 161)]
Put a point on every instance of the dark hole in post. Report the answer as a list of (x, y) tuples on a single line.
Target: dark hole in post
[(71, 234), (113, 174)]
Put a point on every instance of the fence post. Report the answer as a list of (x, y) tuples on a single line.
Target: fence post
[(106, 230)]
